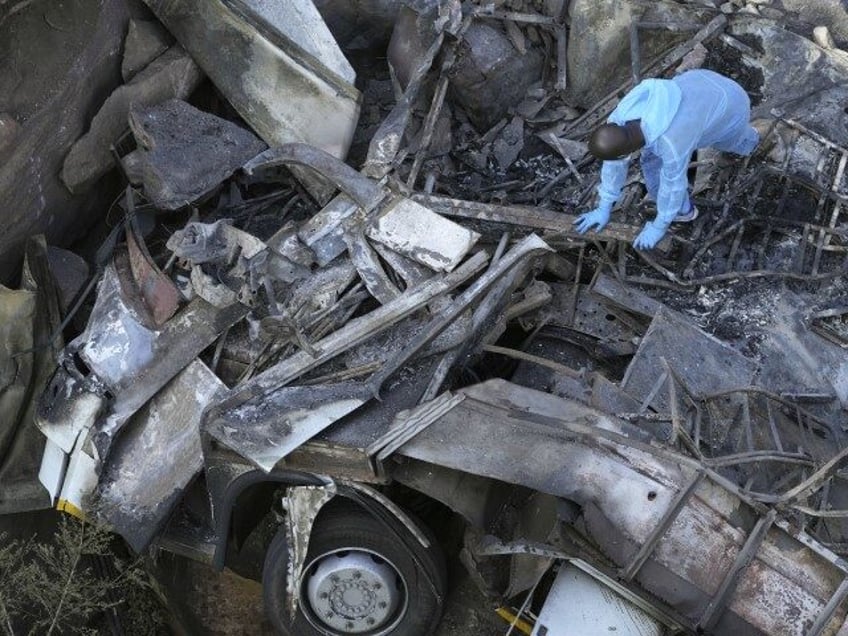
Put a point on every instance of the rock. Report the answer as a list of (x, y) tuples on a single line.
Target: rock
[(728, 8), (70, 272), (816, 12), (9, 130), (172, 74), (146, 40), (185, 153), (822, 37), (801, 79), (490, 76), (360, 24), (771, 13), (69, 74), (598, 48)]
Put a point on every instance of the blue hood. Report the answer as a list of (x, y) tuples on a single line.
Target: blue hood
[(654, 101)]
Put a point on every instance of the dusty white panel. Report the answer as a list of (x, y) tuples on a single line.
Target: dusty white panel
[(578, 605), (54, 461), (415, 231)]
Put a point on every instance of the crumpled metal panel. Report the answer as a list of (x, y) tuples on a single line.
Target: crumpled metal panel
[(627, 490), (302, 503), (137, 489), (702, 362), (281, 90), (266, 429), (415, 231)]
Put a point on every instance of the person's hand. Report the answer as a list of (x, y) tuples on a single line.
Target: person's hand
[(597, 218), (649, 236)]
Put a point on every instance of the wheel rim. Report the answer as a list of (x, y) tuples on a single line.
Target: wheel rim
[(353, 591)]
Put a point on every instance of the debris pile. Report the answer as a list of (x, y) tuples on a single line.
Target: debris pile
[(341, 277)]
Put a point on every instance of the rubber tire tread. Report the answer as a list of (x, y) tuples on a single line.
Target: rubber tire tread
[(345, 524)]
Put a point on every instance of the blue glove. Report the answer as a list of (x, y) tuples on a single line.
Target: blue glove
[(649, 236), (597, 218)]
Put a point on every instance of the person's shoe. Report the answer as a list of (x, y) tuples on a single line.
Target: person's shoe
[(687, 217)]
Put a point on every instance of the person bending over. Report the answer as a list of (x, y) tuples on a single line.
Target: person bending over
[(668, 119)]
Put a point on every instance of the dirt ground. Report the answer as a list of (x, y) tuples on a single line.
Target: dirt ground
[(225, 604)]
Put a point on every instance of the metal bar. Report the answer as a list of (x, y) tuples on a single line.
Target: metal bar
[(528, 18), (814, 481), (654, 390), (743, 559), (635, 61), (760, 456), (660, 529), (828, 610), (746, 415), (735, 247), (562, 59)]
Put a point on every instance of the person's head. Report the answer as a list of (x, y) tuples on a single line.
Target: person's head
[(612, 141)]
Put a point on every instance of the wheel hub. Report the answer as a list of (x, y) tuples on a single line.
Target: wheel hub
[(353, 591)]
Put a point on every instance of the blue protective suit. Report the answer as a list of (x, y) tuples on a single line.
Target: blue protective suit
[(694, 110)]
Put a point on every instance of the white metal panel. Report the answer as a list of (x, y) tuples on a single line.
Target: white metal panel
[(578, 605)]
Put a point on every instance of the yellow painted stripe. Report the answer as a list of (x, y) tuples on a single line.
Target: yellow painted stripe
[(520, 624), (71, 509)]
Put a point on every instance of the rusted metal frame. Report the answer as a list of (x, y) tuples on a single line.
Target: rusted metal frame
[(814, 481), (826, 614), (716, 238), (840, 171), (808, 132), (607, 104), (776, 397), (650, 544), (743, 559)]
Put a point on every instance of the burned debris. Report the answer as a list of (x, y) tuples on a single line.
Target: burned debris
[(342, 287)]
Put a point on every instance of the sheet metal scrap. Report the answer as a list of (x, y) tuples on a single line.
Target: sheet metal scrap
[(660, 515), (137, 491), (264, 420)]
